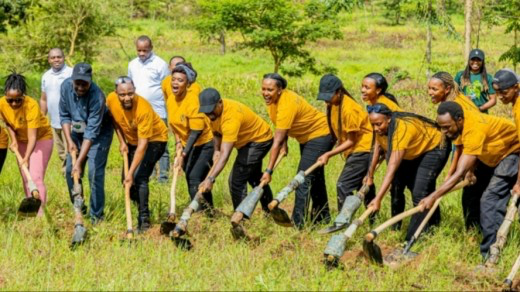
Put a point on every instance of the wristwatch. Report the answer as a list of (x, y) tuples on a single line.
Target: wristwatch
[(211, 179), (269, 171)]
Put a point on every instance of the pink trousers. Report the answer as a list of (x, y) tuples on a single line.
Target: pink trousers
[(37, 165)]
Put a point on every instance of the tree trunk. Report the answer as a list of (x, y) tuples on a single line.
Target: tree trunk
[(516, 42), (429, 39), (479, 21), (222, 41), (467, 32)]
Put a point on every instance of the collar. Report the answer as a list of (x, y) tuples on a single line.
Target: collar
[(149, 59)]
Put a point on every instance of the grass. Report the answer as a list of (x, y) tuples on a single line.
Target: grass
[(35, 252)]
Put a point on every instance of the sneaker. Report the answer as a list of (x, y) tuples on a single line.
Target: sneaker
[(143, 225)]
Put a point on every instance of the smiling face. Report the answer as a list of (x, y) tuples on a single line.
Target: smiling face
[(475, 64), (380, 123), (270, 91), (450, 127), (369, 90), (179, 84), (437, 91), (125, 93), (144, 49), (508, 95), (56, 59), (14, 98), (81, 87)]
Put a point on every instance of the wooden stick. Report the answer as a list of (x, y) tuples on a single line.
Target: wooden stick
[(128, 210), (514, 270), (34, 191), (176, 171), (78, 216), (503, 231)]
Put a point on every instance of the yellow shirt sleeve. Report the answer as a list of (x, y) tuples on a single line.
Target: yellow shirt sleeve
[(473, 141), (352, 123), (286, 114)]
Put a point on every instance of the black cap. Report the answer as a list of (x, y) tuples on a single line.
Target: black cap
[(504, 79), (477, 53), (82, 71), (208, 99), (329, 84)]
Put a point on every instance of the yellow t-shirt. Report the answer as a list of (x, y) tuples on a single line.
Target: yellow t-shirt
[(353, 119), (140, 122), (183, 116), (28, 116), (166, 87), (393, 107), (292, 112), (467, 105), (241, 125), (488, 137), (414, 137), (516, 117), (4, 138)]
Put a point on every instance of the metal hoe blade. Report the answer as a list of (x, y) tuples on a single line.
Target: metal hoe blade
[(281, 217), (373, 251), (30, 206)]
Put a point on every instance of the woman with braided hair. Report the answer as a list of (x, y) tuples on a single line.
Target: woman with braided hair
[(416, 154), (29, 130)]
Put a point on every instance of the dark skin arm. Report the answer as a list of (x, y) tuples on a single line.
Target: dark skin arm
[(142, 145), (465, 164), (324, 159), (279, 145), (369, 179), (225, 149), (454, 162), (492, 100), (393, 164)]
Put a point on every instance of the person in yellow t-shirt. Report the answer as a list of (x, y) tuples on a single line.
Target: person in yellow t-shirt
[(166, 84), (507, 86), (142, 136), (352, 131), (235, 125), (4, 140), (294, 117), (30, 132), (416, 155), (492, 141), (193, 136), (374, 89), (441, 88)]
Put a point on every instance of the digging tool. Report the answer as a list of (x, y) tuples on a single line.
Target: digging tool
[(496, 248), (337, 243), (509, 280), (168, 225), (31, 205), (248, 205), (372, 250), (128, 210), (279, 215), (80, 232)]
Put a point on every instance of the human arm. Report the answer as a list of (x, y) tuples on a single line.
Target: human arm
[(223, 157), (43, 103), (396, 157), (347, 144), (279, 143), (369, 178), (492, 101), (142, 145), (454, 161)]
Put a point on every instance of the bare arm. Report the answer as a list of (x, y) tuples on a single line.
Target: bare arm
[(142, 145), (492, 100), (454, 161), (393, 164), (341, 148), (43, 103)]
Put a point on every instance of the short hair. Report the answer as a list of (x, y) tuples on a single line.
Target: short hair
[(280, 81), (178, 57), (56, 49), (452, 108), (144, 38)]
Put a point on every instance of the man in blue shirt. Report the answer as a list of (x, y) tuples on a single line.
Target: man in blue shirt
[(88, 130)]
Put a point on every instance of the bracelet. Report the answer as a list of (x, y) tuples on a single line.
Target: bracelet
[(269, 171), (211, 179)]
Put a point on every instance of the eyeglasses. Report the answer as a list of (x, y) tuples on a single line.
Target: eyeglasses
[(13, 100), (374, 108)]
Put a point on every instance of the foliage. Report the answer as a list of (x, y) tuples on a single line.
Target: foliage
[(211, 22), (12, 13), (78, 27)]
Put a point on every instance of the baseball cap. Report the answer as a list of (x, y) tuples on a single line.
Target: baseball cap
[(82, 71), (477, 53), (504, 79), (329, 84), (208, 99)]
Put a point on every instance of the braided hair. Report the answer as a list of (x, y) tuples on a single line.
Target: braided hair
[(15, 81), (382, 84), (448, 81)]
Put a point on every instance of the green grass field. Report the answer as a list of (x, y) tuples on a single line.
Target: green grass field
[(35, 254)]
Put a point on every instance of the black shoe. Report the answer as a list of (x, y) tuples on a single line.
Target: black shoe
[(144, 225)]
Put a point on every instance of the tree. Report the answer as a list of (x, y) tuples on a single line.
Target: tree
[(12, 13), (468, 9), (78, 27), (211, 23), (284, 28)]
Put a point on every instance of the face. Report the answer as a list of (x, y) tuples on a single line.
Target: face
[(475, 64), (126, 93), (56, 59), (14, 98), (451, 128), (270, 91), (437, 91), (369, 92), (334, 100), (508, 95), (81, 87), (379, 123), (217, 112), (174, 63), (144, 49), (179, 84)]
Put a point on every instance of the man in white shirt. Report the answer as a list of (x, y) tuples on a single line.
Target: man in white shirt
[(50, 98), (147, 71)]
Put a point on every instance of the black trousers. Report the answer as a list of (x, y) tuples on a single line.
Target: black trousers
[(494, 200), (196, 167), (3, 154), (314, 184), (351, 178), (419, 176), (248, 169), (140, 191), (472, 194)]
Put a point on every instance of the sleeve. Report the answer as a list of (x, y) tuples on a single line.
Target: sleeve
[(65, 117), (490, 84), (230, 128), (43, 83), (458, 77), (130, 70), (164, 86), (32, 115), (96, 110), (145, 125), (402, 136), (286, 114), (352, 121), (473, 142), (165, 71), (196, 119)]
